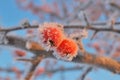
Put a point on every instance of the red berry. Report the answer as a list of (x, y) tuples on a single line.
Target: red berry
[(15, 69), (20, 53), (51, 35), (40, 71), (7, 78), (49, 75), (66, 50), (30, 31)]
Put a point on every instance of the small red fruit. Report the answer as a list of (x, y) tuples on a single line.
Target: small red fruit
[(40, 71), (15, 69), (19, 53), (66, 50), (51, 35)]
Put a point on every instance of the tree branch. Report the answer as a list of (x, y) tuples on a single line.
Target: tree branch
[(81, 26), (99, 61), (35, 63), (11, 70), (65, 69), (115, 5), (85, 73)]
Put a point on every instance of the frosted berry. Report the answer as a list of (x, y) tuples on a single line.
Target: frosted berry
[(51, 35), (66, 50)]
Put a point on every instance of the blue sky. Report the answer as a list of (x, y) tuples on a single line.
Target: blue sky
[(11, 15)]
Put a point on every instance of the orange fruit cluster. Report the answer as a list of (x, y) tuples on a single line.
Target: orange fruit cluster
[(52, 38)]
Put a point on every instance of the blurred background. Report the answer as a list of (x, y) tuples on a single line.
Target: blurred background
[(100, 14)]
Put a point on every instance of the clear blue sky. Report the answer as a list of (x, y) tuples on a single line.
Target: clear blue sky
[(11, 15)]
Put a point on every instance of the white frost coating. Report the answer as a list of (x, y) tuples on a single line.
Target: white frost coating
[(66, 57), (28, 45), (84, 33), (45, 45), (24, 23), (80, 15), (81, 34), (3, 38), (5, 41)]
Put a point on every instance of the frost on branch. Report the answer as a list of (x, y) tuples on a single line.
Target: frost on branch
[(50, 35), (33, 46), (3, 39), (67, 50), (81, 34)]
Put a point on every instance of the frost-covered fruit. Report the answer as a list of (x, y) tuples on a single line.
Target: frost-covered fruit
[(67, 50), (51, 35)]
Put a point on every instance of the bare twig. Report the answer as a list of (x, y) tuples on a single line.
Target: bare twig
[(94, 34), (114, 5), (85, 73), (26, 60), (65, 69), (86, 19), (35, 63), (9, 70)]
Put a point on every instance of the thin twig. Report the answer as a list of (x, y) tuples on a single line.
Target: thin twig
[(26, 60), (86, 19), (65, 69), (94, 34), (85, 73), (35, 63)]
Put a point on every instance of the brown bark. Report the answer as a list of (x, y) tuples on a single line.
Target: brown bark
[(99, 61)]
